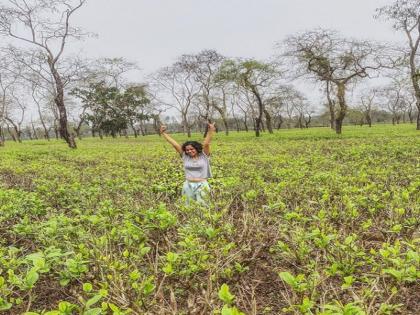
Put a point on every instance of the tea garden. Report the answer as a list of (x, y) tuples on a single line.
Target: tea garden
[(299, 222)]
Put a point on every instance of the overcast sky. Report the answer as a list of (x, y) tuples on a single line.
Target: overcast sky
[(155, 32)]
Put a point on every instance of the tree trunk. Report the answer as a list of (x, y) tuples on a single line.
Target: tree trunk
[(1, 137), (11, 134), (185, 126), (134, 129), (17, 132), (369, 120), (142, 128), (77, 129), (156, 123), (280, 122), (46, 135), (257, 126), (308, 121), (56, 130), (268, 121), (237, 124), (59, 102), (33, 128), (331, 106), (223, 117), (246, 123), (415, 79), (300, 121), (206, 129), (410, 115), (225, 124), (258, 120), (341, 96)]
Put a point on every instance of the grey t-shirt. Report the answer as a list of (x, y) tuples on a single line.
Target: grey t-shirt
[(196, 168)]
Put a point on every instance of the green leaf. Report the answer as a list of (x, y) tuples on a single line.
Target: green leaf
[(148, 286), (225, 295), (31, 278), (396, 273), (93, 311), (144, 251), (113, 307), (226, 310), (93, 300), (87, 287), (64, 282), (65, 307), (135, 275), (288, 278), (4, 306)]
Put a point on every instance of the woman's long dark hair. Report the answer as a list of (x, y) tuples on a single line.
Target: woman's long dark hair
[(195, 144)]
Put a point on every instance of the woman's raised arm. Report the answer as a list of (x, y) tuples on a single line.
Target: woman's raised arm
[(210, 132), (168, 138)]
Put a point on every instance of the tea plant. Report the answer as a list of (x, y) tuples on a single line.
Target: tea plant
[(298, 222)]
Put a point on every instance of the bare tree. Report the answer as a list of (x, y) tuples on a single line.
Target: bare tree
[(304, 114), (292, 103), (112, 71), (46, 26), (176, 87), (15, 113), (257, 78), (240, 101), (205, 66), (7, 82), (411, 105), (331, 58), (392, 97), (367, 103), (405, 16)]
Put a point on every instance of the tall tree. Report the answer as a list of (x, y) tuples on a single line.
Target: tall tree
[(393, 97), (405, 16), (46, 25), (256, 78), (206, 65), (176, 87), (112, 71), (367, 103), (336, 60), (7, 82)]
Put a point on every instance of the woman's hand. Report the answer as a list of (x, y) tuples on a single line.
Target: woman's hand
[(211, 126), (162, 129)]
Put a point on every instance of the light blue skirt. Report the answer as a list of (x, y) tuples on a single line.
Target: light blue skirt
[(196, 191)]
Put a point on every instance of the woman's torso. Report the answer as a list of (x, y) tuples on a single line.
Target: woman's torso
[(196, 169)]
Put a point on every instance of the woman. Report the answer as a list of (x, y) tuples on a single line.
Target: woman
[(196, 158)]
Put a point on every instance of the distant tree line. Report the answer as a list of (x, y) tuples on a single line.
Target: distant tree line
[(46, 93)]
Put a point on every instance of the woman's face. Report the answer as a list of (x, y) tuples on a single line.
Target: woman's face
[(190, 150)]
